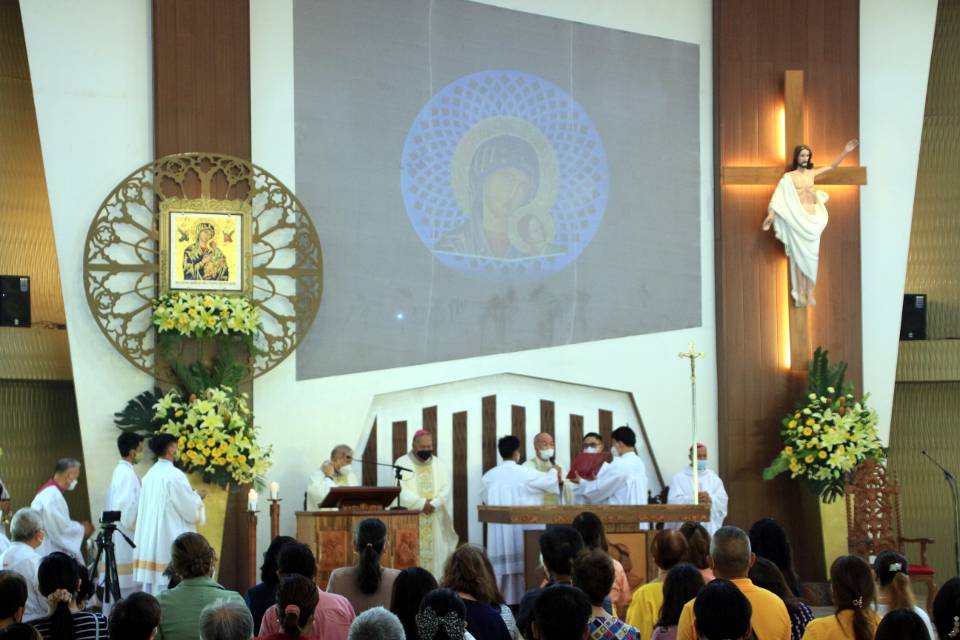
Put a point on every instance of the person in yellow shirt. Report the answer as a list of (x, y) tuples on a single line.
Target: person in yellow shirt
[(730, 558), (668, 548), (854, 593), (723, 612)]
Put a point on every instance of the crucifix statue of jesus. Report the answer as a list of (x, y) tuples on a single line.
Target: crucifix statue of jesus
[(798, 216)]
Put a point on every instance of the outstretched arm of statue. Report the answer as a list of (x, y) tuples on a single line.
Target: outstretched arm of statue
[(847, 150)]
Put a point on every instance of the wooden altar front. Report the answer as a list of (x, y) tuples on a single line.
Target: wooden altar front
[(621, 523)]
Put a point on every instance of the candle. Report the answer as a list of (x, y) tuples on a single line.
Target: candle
[(252, 500), (274, 490)]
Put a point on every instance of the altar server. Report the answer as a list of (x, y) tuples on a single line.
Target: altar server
[(124, 496), (711, 489), (62, 533), (335, 472), (510, 485), (544, 460), (427, 490), (621, 482), (168, 507)]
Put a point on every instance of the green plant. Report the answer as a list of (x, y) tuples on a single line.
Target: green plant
[(139, 414)]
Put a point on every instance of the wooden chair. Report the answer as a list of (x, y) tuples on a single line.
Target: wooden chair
[(874, 521)]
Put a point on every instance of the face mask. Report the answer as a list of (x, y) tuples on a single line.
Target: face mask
[(545, 454), (345, 469), (137, 457), (72, 485), (615, 452), (424, 455), (701, 465), (591, 449)]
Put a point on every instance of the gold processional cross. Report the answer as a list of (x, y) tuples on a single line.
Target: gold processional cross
[(770, 175)]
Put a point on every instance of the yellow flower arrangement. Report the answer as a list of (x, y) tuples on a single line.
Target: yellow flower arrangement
[(198, 315), (216, 434)]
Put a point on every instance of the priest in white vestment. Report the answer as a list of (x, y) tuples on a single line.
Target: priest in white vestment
[(711, 489), (620, 482), (168, 507), (335, 472), (21, 557), (124, 496), (512, 485), (543, 460), (427, 490), (62, 533)]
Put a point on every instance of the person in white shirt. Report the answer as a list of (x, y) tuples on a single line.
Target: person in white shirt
[(4, 508), (545, 452), (510, 485), (335, 472), (621, 482), (62, 533), (124, 496), (168, 507), (26, 529), (711, 490)]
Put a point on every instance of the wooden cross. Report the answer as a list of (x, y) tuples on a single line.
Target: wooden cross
[(800, 347)]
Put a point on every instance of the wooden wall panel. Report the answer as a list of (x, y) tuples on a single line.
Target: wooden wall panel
[(460, 475), (605, 419), (400, 442), (489, 432), (755, 41), (518, 427), (370, 453), (547, 409), (430, 424), (576, 435)]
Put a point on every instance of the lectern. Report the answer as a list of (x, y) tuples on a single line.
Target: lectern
[(329, 533)]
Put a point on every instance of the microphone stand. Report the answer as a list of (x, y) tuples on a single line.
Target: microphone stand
[(398, 474), (955, 493)]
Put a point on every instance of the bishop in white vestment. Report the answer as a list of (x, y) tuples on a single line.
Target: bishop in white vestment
[(168, 507), (510, 485), (124, 496), (335, 472), (681, 491), (62, 533), (621, 482), (543, 460), (427, 490)]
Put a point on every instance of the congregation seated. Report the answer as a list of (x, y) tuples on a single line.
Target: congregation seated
[(559, 545), (13, 598), (723, 612), (367, 584), (19, 631), (297, 599), (136, 617), (668, 549), (376, 623), (891, 570), (946, 609), (466, 573), (766, 575), (409, 589), (730, 558), (442, 616), (593, 574), (192, 559), (59, 580), (334, 613), (26, 530), (903, 624), (263, 595), (594, 537), (561, 612), (698, 548), (854, 594), (768, 539), (226, 620), (681, 585)]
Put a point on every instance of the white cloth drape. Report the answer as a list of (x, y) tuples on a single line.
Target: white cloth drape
[(798, 230)]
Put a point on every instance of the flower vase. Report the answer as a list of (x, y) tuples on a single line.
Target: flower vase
[(215, 505), (833, 528)]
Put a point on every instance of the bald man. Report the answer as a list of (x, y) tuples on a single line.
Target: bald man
[(544, 458)]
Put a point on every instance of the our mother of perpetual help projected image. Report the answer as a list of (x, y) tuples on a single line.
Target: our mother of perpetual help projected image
[(798, 217)]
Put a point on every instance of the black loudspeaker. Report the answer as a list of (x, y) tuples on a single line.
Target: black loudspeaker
[(913, 322), (14, 301)]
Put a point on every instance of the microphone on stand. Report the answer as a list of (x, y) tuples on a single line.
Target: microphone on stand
[(397, 474), (946, 474), (955, 493)]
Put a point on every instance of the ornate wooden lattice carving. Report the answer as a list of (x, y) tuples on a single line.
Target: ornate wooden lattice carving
[(873, 510), (121, 255)]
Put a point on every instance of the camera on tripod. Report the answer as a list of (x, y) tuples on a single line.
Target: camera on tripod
[(110, 517), (109, 587)]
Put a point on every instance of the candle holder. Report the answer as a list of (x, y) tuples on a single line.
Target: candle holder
[(252, 548), (274, 517)]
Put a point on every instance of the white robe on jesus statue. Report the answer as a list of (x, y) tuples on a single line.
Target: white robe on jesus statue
[(168, 507), (681, 492), (429, 482), (512, 485), (798, 230), (124, 496), (621, 482), (62, 533)]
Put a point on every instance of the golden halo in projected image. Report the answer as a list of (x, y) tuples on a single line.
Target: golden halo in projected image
[(121, 259)]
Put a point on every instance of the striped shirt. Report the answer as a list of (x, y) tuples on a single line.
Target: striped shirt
[(86, 626)]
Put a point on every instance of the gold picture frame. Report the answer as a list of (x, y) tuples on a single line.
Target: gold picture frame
[(206, 246)]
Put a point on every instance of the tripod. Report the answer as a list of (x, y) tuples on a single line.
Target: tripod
[(110, 586)]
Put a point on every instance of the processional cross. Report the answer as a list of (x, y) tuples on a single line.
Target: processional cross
[(770, 175)]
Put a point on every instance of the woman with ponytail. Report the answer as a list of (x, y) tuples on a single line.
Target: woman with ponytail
[(297, 599), (58, 578), (895, 593), (854, 595), (367, 584)]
